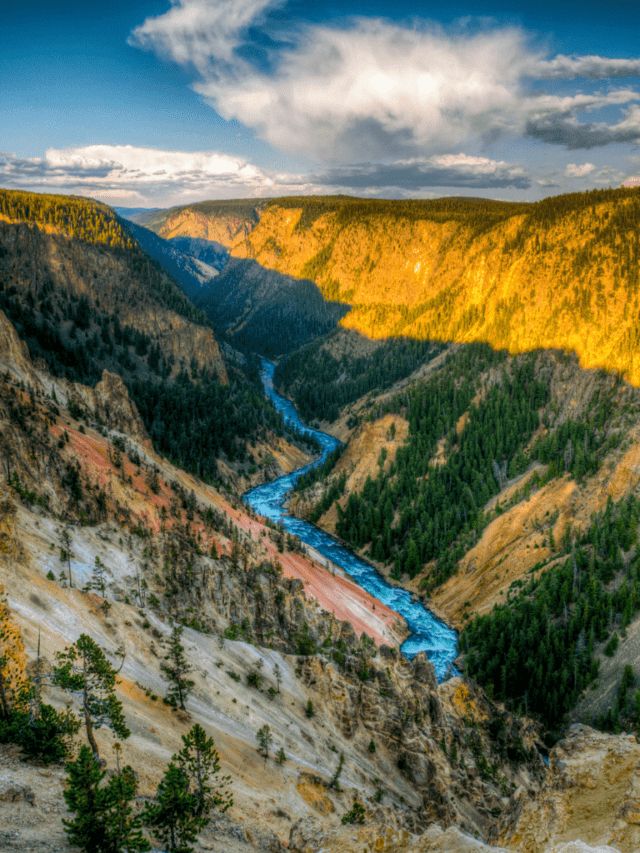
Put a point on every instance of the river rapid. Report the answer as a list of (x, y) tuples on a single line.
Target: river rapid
[(428, 633)]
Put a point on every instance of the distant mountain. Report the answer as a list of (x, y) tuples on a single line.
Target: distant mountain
[(131, 212), (223, 222)]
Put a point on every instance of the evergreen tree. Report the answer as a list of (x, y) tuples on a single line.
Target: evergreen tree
[(66, 554), (176, 668), (265, 739), (173, 815), (104, 819), (190, 790), (200, 761), (83, 669), (98, 578), (335, 779)]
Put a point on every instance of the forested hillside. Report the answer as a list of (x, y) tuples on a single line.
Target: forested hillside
[(560, 273), (86, 298)]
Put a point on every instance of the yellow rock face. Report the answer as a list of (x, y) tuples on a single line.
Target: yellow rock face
[(561, 278)]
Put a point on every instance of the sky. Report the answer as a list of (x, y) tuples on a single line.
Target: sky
[(151, 103)]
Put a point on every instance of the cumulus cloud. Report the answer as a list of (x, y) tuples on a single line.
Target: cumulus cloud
[(200, 32), (579, 170), (130, 175), (373, 89), (126, 173)]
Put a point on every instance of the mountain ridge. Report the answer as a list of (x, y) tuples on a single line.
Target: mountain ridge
[(562, 273)]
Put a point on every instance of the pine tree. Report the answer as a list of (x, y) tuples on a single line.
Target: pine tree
[(104, 820), (265, 739), (98, 578), (173, 815), (83, 668), (176, 668), (200, 761), (277, 674), (66, 554)]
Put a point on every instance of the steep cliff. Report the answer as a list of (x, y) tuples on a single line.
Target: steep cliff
[(561, 273)]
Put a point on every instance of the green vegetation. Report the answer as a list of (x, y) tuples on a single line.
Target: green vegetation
[(470, 432), (176, 668), (83, 669), (264, 738), (74, 216), (355, 815), (322, 384), (538, 650), (417, 512), (103, 819), (191, 416), (348, 209)]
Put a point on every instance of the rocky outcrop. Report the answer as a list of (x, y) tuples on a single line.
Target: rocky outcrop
[(591, 792), (442, 739), (14, 355), (108, 403)]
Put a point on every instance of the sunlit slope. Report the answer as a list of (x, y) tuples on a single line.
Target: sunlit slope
[(559, 273)]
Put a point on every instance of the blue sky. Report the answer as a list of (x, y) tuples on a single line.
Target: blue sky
[(154, 103)]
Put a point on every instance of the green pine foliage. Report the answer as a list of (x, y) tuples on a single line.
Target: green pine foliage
[(191, 789), (74, 216), (322, 384), (176, 668), (42, 732), (84, 670), (172, 816), (104, 819), (200, 761), (417, 512), (538, 650)]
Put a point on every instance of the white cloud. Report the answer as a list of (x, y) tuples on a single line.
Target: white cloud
[(370, 88), (130, 175), (587, 67), (198, 31), (126, 173), (579, 170)]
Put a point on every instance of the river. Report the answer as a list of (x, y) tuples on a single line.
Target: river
[(428, 633)]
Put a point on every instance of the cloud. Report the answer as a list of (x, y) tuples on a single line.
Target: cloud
[(451, 170), (633, 181), (579, 170), (586, 67), (197, 32), (564, 128), (372, 89), (128, 173)]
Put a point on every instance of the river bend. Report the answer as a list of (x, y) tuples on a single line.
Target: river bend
[(428, 633)]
